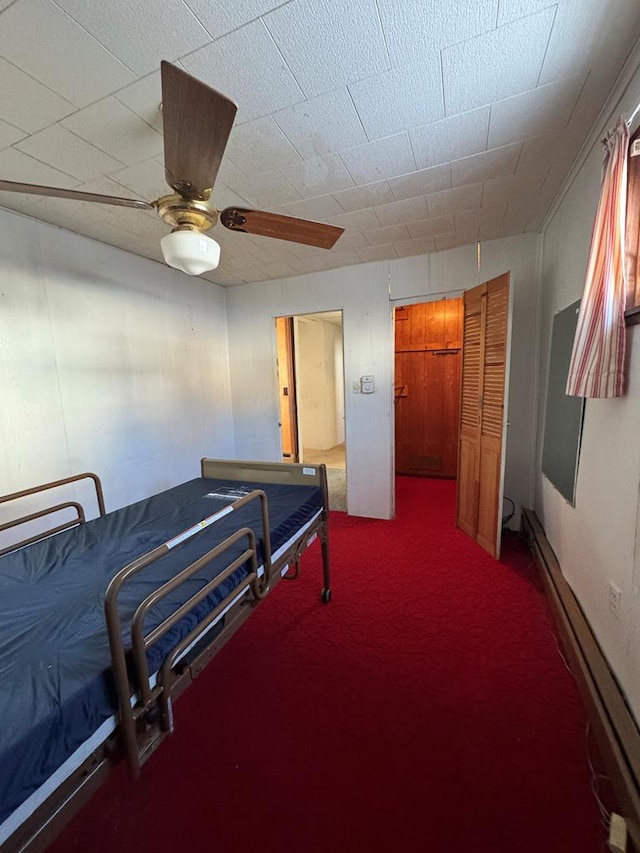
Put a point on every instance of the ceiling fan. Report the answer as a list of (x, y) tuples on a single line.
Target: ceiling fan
[(197, 122)]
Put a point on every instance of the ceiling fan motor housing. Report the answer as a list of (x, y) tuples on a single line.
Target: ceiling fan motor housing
[(186, 213)]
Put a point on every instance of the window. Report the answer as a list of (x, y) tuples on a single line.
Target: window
[(632, 236)]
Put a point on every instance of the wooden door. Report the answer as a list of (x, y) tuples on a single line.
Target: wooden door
[(287, 389), (484, 353), (428, 339)]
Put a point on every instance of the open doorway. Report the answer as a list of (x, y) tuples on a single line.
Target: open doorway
[(311, 395), (451, 379), (428, 359)]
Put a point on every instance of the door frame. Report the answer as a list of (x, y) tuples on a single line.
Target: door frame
[(294, 349), (436, 297)]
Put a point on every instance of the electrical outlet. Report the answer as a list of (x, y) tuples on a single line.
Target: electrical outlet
[(356, 386), (615, 599)]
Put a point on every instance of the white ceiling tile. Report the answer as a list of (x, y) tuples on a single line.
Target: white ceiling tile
[(145, 179), (49, 210), (223, 196), (408, 210), (67, 152), (114, 128), (366, 196), (472, 219), (538, 153), (431, 227), (323, 124), (359, 219), (422, 182), (418, 28), (225, 15), (26, 103), (144, 97), (450, 139), (318, 176), (391, 234), (451, 241), (377, 253), (9, 134), (303, 253), (268, 189), (20, 203), (224, 279), (492, 231), (483, 167), (402, 98), (379, 160), (511, 10), (329, 44), (583, 38), (260, 146), (16, 166), (450, 201), (314, 264), (500, 190), (336, 260), (533, 113), (72, 63), (138, 32), (134, 222), (421, 246), (322, 207), (350, 240), (247, 67), (279, 269), (497, 64)]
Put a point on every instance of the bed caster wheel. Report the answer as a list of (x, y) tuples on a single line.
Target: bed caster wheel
[(326, 596)]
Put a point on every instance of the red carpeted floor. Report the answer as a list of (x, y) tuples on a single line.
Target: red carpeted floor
[(426, 709)]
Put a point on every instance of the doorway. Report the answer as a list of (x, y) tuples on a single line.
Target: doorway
[(428, 354), (451, 371), (310, 363)]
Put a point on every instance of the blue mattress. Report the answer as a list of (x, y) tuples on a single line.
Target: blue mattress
[(55, 680)]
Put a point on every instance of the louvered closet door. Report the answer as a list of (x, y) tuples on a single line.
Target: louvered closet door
[(482, 411)]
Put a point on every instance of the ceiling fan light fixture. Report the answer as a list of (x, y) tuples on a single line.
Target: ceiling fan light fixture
[(190, 251)]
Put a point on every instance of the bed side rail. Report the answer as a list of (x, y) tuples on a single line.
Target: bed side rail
[(153, 704), (79, 518)]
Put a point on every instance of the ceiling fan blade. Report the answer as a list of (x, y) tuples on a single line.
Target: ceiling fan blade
[(76, 195), (280, 227), (197, 122)]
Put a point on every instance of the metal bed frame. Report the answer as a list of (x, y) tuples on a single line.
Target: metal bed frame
[(144, 723)]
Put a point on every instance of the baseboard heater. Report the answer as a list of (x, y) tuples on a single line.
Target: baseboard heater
[(615, 730)]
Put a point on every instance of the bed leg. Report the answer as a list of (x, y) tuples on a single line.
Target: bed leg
[(326, 574), (324, 537)]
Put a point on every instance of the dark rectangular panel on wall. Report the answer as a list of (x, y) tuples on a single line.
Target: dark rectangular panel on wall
[(563, 414)]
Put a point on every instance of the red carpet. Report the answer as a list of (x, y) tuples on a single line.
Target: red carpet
[(426, 709)]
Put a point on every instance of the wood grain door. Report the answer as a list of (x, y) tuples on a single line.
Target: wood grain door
[(427, 387), (484, 353), (287, 389)]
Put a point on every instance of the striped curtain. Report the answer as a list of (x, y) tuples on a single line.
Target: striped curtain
[(597, 360)]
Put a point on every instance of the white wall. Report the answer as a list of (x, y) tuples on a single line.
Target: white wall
[(362, 294), (109, 363), (595, 541), (366, 294)]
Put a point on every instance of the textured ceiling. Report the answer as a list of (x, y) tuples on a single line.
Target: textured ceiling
[(418, 125)]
